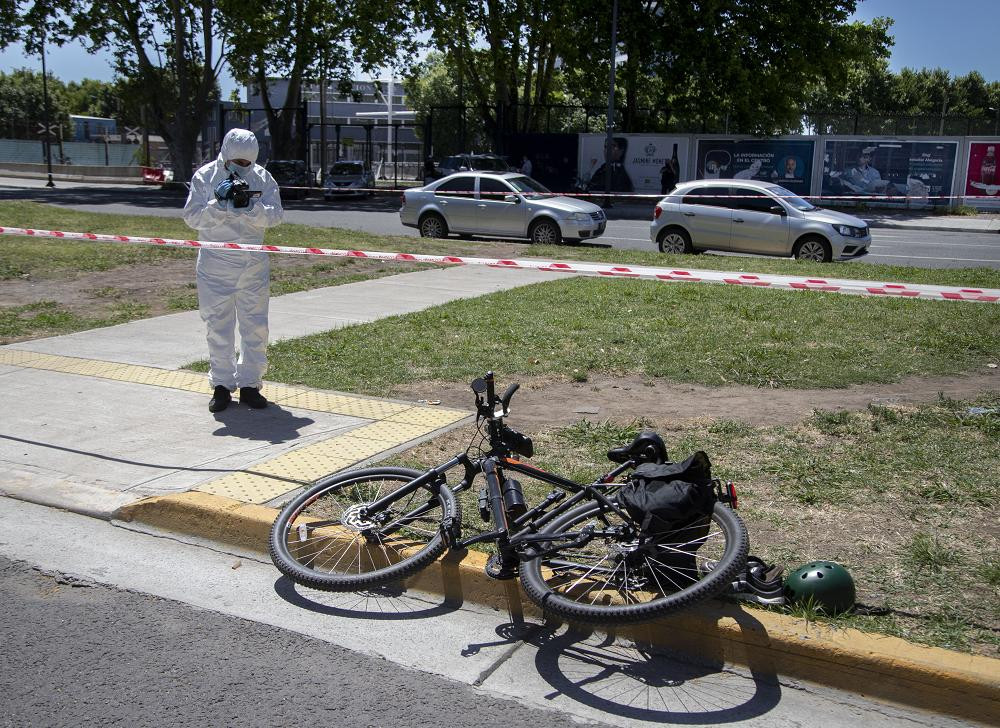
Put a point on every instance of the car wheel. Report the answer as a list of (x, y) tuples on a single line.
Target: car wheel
[(433, 225), (545, 232), (675, 240), (814, 249)]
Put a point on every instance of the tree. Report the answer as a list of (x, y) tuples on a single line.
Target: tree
[(505, 53), (22, 101), (301, 40), (180, 84), (432, 91), (703, 66)]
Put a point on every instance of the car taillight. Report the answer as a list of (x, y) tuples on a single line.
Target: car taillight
[(402, 200), (657, 211)]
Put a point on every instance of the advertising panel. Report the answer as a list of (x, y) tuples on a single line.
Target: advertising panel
[(905, 169), (640, 163), (552, 157), (787, 162), (982, 182)]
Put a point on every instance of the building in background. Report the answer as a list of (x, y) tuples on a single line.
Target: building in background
[(355, 125)]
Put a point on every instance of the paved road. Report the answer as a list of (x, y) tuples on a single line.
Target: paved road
[(120, 627), (919, 248), (81, 654)]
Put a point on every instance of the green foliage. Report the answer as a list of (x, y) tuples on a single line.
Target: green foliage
[(303, 40)]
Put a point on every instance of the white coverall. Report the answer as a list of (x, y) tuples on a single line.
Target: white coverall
[(233, 286)]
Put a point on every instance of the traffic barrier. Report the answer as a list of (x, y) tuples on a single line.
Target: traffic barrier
[(832, 285)]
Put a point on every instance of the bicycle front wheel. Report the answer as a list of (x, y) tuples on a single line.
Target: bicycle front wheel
[(324, 539), (615, 579)]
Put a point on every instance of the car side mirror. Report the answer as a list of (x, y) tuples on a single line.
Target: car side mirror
[(778, 210), (512, 198)]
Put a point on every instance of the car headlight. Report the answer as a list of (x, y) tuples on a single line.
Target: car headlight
[(580, 217), (850, 231)]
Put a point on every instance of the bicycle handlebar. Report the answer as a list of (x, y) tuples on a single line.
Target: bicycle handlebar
[(508, 393)]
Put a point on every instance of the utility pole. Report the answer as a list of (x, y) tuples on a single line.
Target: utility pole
[(48, 130), (611, 101), (322, 116)]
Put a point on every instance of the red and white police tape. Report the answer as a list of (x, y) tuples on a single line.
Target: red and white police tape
[(832, 285)]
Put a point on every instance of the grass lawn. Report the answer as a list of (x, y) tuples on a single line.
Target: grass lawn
[(704, 334)]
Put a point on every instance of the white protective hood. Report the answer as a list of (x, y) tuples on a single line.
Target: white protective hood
[(238, 144)]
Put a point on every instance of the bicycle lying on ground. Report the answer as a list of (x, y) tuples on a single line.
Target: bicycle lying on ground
[(584, 557)]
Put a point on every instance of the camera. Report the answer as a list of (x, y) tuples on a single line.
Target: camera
[(242, 194)]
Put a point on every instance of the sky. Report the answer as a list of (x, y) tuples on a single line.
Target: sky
[(957, 35)]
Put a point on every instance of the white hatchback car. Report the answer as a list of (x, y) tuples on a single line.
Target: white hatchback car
[(749, 216), (499, 204)]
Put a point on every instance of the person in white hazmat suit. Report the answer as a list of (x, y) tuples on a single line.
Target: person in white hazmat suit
[(233, 286)]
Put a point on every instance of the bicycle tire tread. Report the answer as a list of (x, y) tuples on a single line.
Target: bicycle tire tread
[(354, 582), (551, 602)]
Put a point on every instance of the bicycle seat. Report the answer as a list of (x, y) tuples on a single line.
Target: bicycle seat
[(647, 447)]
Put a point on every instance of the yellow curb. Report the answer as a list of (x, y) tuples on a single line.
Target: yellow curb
[(886, 668)]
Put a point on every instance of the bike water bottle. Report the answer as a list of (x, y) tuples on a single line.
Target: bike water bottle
[(513, 498)]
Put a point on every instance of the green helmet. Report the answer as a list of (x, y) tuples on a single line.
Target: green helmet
[(828, 583)]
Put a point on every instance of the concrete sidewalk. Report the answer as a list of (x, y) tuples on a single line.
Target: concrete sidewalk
[(103, 418)]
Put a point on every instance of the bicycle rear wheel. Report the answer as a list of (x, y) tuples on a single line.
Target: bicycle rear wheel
[(614, 579), (322, 540)]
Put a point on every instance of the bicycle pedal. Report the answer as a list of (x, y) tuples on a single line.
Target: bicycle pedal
[(497, 569)]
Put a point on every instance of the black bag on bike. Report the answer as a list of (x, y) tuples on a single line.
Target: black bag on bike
[(673, 504), (665, 497)]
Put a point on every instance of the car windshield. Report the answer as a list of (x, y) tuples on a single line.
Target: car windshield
[(346, 168), (791, 198), (529, 187)]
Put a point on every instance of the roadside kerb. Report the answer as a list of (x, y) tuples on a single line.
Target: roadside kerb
[(801, 283), (877, 666)]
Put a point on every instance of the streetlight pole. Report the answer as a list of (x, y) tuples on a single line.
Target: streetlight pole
[(48, 131), (611, 100), (996, 119)]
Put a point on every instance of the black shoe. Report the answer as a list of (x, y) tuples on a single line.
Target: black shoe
[(251, 397), (220, 400)]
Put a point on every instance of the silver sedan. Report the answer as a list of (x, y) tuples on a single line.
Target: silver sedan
[(750, 216), (499, 204)]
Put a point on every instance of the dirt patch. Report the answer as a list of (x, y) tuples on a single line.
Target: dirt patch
[(140, 284), (545, 402)]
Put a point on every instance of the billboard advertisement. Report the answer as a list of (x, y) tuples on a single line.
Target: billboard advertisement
[(787, 162), (879, 167), (639, 163), (552, 157), (982, 182)]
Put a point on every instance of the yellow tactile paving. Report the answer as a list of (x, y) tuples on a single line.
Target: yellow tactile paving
[(17, 357), (48, 362), (369, 409), (83, 367), (397, 432), (278, 393), (249, 487), (433, 417), (307, 463), (394, 424)]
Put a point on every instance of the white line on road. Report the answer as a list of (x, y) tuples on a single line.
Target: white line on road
[(929, 257)]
